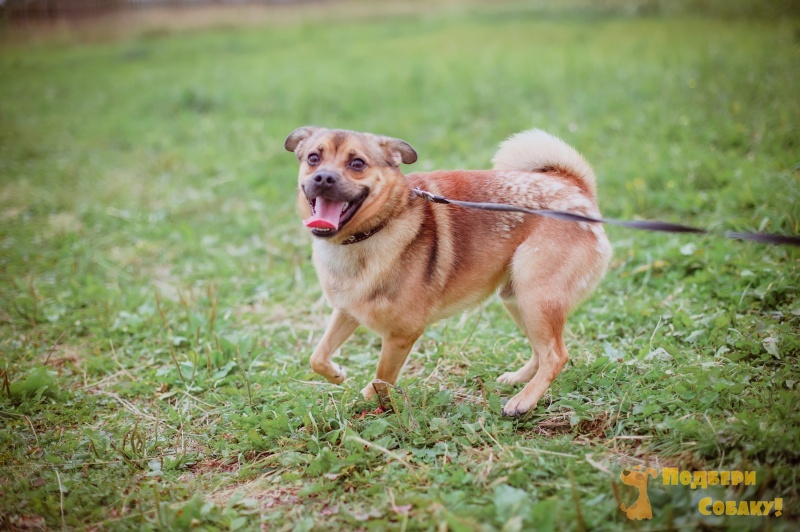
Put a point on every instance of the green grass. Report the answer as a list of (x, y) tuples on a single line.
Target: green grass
[(158, 305)]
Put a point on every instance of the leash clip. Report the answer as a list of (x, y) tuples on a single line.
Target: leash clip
[(433, 198)]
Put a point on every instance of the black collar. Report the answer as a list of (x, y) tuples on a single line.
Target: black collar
[(360, 237)]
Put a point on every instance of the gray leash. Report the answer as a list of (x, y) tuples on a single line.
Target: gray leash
[(644, 225)]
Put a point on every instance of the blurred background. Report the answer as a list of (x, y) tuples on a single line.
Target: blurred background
[(158, 304), (126, 16)]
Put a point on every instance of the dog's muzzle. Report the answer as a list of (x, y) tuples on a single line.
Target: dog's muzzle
[(324, 184), (333, 201)]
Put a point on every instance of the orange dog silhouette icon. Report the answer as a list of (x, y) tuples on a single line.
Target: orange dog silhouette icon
[(638, 477)]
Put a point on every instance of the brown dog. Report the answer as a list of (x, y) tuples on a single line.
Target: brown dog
[(395, 262)]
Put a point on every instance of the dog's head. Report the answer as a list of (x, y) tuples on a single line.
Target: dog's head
[(348, 181), (637, 476)]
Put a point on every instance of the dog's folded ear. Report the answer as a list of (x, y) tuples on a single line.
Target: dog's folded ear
[(297, 136), (400, 150)]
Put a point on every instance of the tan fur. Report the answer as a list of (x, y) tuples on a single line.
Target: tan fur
[(430, 261)]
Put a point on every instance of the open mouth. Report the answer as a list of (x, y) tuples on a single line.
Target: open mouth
[(329, 216)]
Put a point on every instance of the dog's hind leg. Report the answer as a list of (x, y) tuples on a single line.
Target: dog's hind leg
[(526, 372), (339, 329), (549, 352), (394, 352), (546, 273)]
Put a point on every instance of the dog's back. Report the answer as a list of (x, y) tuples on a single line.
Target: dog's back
[(477, 248)]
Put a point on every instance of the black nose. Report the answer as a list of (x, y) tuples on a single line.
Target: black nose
[(325, 179), (322, 183)]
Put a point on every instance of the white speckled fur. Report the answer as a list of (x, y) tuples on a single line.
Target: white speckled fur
[(534, 150)]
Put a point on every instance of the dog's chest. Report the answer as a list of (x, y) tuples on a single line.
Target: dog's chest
[(352, 277)]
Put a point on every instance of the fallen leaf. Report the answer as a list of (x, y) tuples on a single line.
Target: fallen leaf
[(402, 510), (365, 516), (771, 345), (329, 510)]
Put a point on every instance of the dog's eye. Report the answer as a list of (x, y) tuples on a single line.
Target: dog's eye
[(313, 159), (358, 164)]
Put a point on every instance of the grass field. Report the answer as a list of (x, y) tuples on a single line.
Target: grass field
[(158, 305)]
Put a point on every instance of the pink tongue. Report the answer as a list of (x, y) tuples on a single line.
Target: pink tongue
[(327, 214)]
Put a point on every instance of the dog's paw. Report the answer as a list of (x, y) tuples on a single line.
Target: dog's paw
[(512, 377), (369, 392), (339, 374), (517, 406)]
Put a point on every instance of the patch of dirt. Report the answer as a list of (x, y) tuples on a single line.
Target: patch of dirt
[(153, 21), (594, 428), (10, 213), (208, 467), (63, 222), (278, 497), (62, 355), (262, 490), (628, 458), (23, 522), (214, 465), (586, 431), (461, 396)]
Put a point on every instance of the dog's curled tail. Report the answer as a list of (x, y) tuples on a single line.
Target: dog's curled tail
[(537, 151)]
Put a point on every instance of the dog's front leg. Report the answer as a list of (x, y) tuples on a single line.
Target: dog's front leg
[(394, 351), (339, 329)]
